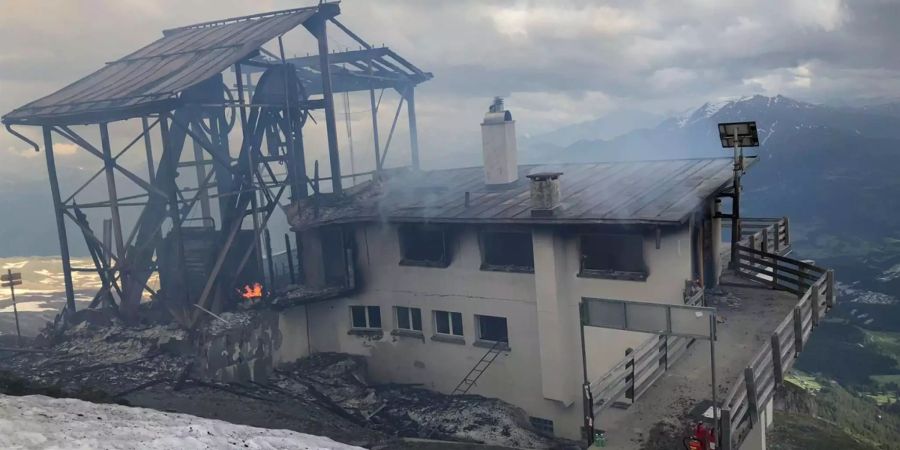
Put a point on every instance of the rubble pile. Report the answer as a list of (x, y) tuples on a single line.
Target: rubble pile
[(405, 410), (111, 358), (325, 394)]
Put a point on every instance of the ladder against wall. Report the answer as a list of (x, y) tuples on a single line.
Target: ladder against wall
[(479, 368)]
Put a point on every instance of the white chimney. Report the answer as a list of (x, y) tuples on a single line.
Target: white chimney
[(498, 139)]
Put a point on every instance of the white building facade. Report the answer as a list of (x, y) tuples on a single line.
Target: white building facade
[(446, 264)]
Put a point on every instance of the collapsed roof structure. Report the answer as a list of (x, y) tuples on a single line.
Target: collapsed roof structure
[(200, 83)]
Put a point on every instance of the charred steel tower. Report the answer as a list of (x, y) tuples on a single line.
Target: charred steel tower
[(243, 110)]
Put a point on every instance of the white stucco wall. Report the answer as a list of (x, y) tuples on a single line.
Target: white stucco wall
[(516, 377), (295, 343)]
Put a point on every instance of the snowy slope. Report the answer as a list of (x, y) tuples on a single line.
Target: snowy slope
[(38, 422)]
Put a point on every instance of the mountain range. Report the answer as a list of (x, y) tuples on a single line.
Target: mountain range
[(832, 169)]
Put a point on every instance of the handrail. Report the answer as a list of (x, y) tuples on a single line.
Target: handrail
[(642, 366), (814, 287)]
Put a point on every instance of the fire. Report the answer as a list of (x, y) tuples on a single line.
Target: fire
[(251, 292)]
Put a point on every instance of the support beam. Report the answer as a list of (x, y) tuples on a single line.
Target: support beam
[(60, 222), (413, 130), (109, 164), (137, 261), (148, 148), (254, 212), (318, 30), (67, 133), (201, 171), (374, 108), (387, 145)]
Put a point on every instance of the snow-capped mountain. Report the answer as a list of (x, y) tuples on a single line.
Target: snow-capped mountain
[(694, 134), (821, 164)]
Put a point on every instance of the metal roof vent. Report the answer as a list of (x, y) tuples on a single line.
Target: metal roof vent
[(544, 193)]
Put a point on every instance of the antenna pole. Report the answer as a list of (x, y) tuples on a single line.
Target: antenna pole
[(736, 201)]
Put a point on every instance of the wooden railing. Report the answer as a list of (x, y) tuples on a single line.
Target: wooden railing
[(631, 377), (757, 384), (771, 235)]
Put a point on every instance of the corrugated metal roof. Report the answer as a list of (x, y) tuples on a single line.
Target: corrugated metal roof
[(652, 192), (155, 74)]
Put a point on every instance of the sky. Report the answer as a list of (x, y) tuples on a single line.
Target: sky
[(556, 62)]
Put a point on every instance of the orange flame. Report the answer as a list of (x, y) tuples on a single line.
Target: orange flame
[(253, 291)]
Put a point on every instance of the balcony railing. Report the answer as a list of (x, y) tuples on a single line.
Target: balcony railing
[(767, 234), (759, 257), (641, 367)]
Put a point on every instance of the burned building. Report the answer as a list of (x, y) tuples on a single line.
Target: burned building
[(481, 280)]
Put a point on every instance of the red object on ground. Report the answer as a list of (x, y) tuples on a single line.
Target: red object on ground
[(703, 439)]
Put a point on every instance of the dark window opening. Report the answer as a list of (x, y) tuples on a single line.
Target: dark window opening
[(409, 318), (424, 245), (616, 256), (334, 256), (507, 251), (374, 316), (448, 323), (542, 426), (365, 316), (492, 328)]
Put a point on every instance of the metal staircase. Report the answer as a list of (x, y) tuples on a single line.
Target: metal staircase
[(480, 367)]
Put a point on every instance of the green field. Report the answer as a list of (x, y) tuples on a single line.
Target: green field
[(801, 432), (822, 412)]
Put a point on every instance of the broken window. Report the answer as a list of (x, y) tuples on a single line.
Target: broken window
[(491, 328), (615, 256), (509, 251), (409, 318), (365, 316), (450, 323), (424, 245)]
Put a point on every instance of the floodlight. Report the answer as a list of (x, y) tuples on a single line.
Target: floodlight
[(738, 134)]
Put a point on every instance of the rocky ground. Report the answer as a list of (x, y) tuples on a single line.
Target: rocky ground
[(326, 394)]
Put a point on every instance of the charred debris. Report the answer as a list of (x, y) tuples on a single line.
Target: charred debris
[(219, 122)]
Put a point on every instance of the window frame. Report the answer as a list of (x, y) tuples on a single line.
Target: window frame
[(446, 258), (367, 310), (478, 331), (612, 274), (486, 266), (409, 317), (450, 328)]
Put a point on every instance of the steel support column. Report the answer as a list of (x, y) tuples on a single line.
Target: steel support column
[(109, 165), (60, 222), (413, 130), (319, 31), (200, 170), (148, 148), (375, 139)]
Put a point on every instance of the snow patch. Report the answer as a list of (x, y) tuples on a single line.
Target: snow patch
[(39, 422), (891, 273), (856, 295)]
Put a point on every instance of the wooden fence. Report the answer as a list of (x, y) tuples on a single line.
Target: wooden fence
[(631, 377), (771, 235), (759, 259)]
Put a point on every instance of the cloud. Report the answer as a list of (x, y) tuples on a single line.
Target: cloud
[(826, 14), (65, 149), (563, 22), (556, 62)]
